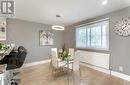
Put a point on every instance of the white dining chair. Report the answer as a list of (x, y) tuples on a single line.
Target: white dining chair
[(76, 69), (56, 63), (71, 52)]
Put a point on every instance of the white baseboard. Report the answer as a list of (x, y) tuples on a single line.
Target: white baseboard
[(120, 75), (35, 63), (96, 68), (113, 73)]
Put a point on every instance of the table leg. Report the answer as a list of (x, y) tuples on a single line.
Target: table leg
[(68, 72)]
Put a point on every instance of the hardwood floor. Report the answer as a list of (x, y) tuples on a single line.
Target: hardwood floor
[(42, 75)]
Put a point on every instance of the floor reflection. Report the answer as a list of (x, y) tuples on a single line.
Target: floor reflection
[(42, 75)]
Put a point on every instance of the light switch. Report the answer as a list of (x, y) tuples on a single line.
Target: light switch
[(120, 68)]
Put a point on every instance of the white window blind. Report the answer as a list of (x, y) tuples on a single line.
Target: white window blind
[(94, 36)]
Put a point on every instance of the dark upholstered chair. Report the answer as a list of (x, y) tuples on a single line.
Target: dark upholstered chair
[(15, 59)]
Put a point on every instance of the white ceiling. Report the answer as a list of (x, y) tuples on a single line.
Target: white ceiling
[(71, 11)]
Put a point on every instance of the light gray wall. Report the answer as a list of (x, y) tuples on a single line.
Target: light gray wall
[(119, 46), (25, 33)]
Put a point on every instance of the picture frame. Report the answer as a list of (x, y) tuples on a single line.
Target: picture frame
[(46, 38), (2, 29)]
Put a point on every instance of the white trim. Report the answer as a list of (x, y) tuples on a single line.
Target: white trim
[(107, 71), (35, 63), (120, 75), (93, 22)]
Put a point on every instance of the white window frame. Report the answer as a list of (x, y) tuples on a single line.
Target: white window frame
[(90, 25)]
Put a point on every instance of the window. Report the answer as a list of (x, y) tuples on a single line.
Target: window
[(94, 36)]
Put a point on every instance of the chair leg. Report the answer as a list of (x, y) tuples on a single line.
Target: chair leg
[(54, 72), (50, 64), (80, 74)]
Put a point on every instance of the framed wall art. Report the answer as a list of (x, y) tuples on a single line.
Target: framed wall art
[(46, 38), (122, 27), (2, 29)]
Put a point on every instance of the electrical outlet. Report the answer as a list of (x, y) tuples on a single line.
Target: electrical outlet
[(110, 68), (120, 68)]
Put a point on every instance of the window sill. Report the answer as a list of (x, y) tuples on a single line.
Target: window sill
[(94, 49)]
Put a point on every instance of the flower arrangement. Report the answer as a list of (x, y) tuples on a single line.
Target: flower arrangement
[(65, 55), (3, 47)]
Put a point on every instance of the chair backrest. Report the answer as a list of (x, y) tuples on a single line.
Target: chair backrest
[(22, 52), (76, 66), (54, 58), (71, 52), (76, 70)]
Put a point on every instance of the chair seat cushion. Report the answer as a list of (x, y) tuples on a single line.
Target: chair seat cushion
[(61, 64)]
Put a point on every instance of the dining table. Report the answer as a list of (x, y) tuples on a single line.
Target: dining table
[(69, 64)]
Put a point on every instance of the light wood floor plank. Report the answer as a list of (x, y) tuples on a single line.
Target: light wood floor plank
[(42, 75)]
